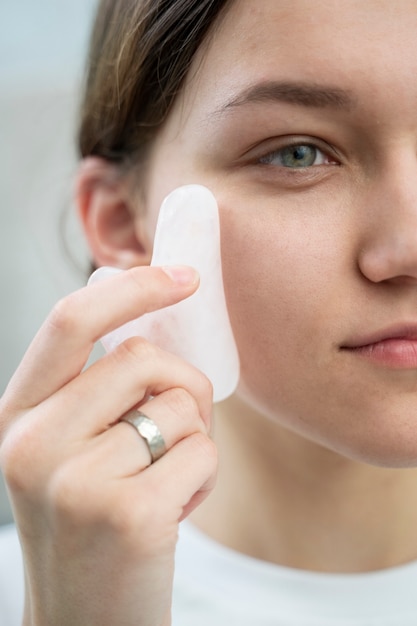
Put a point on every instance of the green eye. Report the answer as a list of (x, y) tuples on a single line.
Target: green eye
[(294, 156), (298, 156)]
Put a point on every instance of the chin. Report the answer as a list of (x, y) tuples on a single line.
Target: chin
[(377, 433)]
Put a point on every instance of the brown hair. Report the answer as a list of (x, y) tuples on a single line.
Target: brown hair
[(140, 53)]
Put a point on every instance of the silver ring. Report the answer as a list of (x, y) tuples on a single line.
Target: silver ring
[(149, 432)]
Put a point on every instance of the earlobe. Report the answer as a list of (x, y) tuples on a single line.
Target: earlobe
[(113, 224)]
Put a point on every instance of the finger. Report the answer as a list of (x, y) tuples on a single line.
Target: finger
[(121, 452), (145, 507), (119, 381), (62, 346), (184, 475)]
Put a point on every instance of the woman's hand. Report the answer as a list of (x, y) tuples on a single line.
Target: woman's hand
[(98, 523)]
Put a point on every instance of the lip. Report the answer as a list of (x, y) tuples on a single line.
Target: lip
[(394, 346)]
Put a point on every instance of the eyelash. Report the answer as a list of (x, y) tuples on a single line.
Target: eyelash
[(292, 147)]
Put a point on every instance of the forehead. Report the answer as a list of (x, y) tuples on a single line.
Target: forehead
[(344, 42)]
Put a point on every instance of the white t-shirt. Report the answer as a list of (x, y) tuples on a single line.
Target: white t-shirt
[(215, 586)]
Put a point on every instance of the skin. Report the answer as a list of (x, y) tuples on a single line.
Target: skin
[(318, 445), (341, 238), (79, 490), (336, 245)]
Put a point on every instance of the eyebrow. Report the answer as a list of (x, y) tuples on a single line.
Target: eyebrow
[(298, 93)]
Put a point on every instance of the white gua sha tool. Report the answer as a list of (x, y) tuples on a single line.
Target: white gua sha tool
[(198, 328)]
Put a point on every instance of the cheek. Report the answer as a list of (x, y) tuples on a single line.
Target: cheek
[(293, 296), (281, 301)]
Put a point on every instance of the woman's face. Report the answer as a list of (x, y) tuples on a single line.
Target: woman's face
[(302, 119)]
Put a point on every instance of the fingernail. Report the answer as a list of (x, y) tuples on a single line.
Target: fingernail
[(181, 274)]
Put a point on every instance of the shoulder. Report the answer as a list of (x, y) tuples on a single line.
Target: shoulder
[(11, 577)]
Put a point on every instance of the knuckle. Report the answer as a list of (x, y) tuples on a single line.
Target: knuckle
[(120, 519), (135, 348), (68, 494), (63, 319), (204, 448), (135, 276), (207, 387), (142, 518), (182, 402), (18, 456), (152, 521), (128, 518), (205, 396)]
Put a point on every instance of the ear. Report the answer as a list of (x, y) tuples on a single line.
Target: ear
[(110, 214)]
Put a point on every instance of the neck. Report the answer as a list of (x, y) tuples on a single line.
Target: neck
[(284, 499)]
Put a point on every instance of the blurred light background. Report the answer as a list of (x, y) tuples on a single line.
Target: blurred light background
[(43, 45)]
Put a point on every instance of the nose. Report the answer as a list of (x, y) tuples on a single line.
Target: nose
[(388, 251)]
